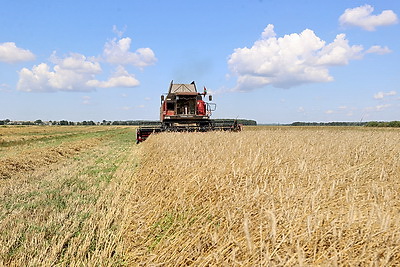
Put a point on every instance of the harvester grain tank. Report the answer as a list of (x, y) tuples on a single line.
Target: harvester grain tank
[(184, 109)]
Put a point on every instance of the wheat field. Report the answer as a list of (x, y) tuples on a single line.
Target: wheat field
[(266, 196), (276, 196)]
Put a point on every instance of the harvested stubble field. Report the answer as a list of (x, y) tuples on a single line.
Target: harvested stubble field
[(265, 196), (62, 196)]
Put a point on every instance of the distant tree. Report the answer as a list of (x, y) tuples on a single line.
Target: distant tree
[(38, 122), (372, 124), (394, 124), (383, 124)]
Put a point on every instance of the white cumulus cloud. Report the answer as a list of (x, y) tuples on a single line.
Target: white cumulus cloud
[(77, 63), (5, 87), (289, 61), (382, 107), (117, 52), (73, 73), (121, 78), (381, 95), (362, 17), (377, 49), (378, 107), (76, 72), (70, 74), (10, 53), (118, 32), (339, 52)]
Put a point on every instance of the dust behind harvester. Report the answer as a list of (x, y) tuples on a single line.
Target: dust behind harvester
[(184, 109)]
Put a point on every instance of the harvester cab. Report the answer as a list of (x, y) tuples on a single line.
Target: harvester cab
[(185, 109)]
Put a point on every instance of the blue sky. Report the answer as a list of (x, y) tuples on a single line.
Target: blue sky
[(268, 60)]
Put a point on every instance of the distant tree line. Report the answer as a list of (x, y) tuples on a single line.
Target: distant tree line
[(3, 122), (334, 123), (149, 122), (133, 123), (40, 122), (105, 122), (383, 124), (366, 124), (239, 121), (9, 122), (66, 123)]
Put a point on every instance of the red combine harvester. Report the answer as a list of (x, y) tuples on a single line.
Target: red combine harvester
[(184, 110)]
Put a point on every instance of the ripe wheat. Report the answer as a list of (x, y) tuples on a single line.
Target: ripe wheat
[(277, 196)]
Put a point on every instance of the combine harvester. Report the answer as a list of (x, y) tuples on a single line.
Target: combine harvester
[(184, 110)]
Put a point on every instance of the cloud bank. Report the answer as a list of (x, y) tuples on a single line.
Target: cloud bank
[(73, 73), (117, 52), (121, 78), (362, 17), (376, 49), (10, 53), (382, 95), (289, 61), (77, 72), (292, 60)]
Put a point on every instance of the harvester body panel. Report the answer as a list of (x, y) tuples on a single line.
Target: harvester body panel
[(183, 109)]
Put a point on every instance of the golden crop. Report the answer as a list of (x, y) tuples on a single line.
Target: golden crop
[(278, 196), (262, 197)]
